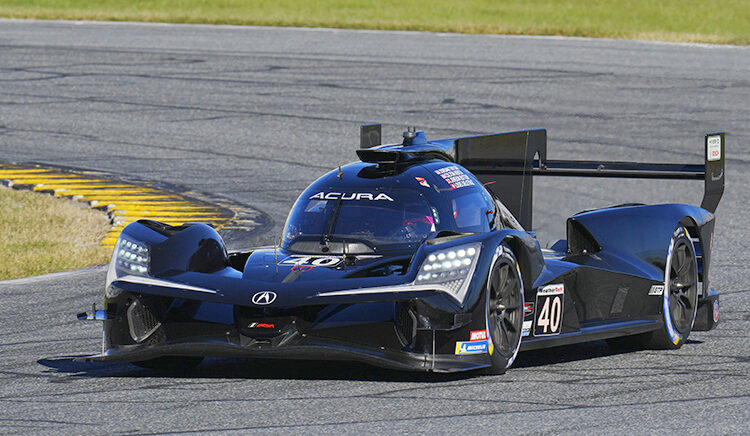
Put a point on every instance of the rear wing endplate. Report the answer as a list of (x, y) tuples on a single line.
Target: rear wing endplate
[(507, 162)]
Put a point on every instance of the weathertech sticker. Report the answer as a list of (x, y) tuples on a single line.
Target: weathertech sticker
[(454, 177), (472, 347), (714, 148), (549, 305)]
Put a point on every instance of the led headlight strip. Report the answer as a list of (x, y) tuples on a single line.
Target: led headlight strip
[(132, 256), (450, 269), (446, 265)]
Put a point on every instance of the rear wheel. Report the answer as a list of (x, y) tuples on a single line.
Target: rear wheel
[(504, 311), (679, 302)]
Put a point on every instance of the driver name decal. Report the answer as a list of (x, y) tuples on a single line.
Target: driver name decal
[(454, 177), (351, 196)]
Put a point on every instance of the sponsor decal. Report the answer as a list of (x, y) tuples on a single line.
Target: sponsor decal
[(454, 177), (528, 319), (714, 148), (351, 196), (472, 347), (263, 298), (528, 309), (551, 290), (716, 311), (422, 182), (656, 290), (549, 306), (300, 261), (526, 330), (261, 325), (478, 335)]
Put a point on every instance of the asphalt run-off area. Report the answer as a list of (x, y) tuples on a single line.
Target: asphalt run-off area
[(247, 117)]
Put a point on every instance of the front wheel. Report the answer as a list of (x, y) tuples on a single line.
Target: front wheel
[(504, 310)]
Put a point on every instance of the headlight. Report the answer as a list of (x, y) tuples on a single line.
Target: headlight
[(450, 269), (131, 257)]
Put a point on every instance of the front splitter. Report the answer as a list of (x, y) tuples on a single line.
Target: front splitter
[(402, 360)]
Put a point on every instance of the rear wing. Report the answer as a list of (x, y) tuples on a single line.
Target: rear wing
[(510, 160)]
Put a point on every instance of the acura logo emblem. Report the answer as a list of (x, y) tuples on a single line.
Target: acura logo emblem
[(264, 297)]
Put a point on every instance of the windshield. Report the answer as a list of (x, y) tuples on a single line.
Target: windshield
[(364, 221)]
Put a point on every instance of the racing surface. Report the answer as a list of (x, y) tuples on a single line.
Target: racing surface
[(256, 114)]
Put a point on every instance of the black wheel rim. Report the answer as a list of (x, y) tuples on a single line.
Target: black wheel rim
[(505, 311), (683, 289)]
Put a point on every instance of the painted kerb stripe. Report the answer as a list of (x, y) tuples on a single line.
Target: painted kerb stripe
[(124, 201)]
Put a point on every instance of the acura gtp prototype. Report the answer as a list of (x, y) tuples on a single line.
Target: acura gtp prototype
[(419, 257)]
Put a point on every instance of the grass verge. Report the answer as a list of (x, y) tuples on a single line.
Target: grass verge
[(717, 21), (40, 234)]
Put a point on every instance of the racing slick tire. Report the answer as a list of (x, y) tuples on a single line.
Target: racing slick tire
[(170, 363), (679, 299), (504, 311)]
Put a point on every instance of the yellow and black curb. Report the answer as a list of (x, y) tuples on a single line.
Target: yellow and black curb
[(128, 201)]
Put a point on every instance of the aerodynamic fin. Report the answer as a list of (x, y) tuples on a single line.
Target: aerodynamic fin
[(370, 135), (713, 171)]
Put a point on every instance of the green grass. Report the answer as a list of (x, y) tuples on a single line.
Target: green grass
[(40, 234), (717, 21)]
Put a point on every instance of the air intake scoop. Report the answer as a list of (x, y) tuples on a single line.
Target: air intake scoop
[(379, 156), (415, 147)]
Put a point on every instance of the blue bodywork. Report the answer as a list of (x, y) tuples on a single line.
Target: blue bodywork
[(364, 301)]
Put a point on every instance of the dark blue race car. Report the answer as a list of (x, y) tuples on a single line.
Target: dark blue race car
[(418, 258)]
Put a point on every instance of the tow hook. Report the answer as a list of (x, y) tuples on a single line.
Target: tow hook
[(95, 315)]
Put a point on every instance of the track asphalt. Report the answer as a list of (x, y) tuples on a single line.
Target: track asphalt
[(255, 114)]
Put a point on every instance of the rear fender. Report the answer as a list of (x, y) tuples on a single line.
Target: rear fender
[(645, 231)]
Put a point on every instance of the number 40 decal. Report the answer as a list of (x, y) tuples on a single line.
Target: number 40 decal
[(549, 305)]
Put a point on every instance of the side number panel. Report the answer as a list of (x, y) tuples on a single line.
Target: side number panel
[(549, 310)]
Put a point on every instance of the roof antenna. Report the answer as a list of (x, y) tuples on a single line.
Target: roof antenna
[(341, 175), (411, 133)]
